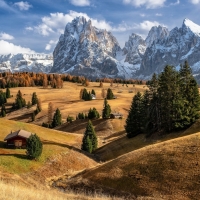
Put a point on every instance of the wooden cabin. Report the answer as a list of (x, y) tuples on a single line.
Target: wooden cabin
[(116, 116), (17, 139)]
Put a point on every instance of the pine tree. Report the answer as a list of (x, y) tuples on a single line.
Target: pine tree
[(3, 111), (19, 101), (89, 142), (93, 92), (109, 94), (34, 98), (34, 147), (190, 94), (57, 118), (7, 93), (134, 120), (93, 114), (106, 110)]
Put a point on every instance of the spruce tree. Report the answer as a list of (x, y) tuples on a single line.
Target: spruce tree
[(3, 111), (190, 94), (93, 114), (34, 98), (106, 110), (109, 94), (19, 101), (134, 120), (93, 92), (34, 147), (57, 118), (89, 142), (7, 93)]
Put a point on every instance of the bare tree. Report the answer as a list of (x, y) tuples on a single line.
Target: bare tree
[(103, 93), (50, 112)]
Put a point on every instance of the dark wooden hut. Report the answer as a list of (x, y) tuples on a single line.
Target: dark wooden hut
[(17, 139)]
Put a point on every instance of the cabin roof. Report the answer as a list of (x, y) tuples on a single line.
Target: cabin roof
[(116, 114), (21, 133)]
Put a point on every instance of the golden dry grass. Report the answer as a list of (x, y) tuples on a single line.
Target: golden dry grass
[(61, 152), (168, 170), (67, 100), (10, 191)]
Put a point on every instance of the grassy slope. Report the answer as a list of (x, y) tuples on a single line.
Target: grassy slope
[(123, 145), (14, 191), (60, 153), (168, 170)]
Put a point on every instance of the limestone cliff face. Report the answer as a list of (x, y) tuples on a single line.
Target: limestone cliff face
[(134, 49), (85, 50), (181, 44)]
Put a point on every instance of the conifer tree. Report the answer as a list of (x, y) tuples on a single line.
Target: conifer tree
[(34, 98), (89, 142), (57, 118), (106, 110), (3, 111), (93, 92), (93, 114), (134, 120), (109, 94), (19, 101), (7, 93), (34, 147)]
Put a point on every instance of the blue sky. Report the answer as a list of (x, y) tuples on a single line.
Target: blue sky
[(35, 25)]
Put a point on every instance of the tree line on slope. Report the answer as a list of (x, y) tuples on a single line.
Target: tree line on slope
[(172, 103)]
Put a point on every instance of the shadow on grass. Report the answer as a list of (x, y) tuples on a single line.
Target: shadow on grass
[(20, 156), (2, 144), (71, 148)]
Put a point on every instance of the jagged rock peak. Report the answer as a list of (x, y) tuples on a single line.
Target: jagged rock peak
[(156, 32), (134, 49), (84, 48), (190, 25)]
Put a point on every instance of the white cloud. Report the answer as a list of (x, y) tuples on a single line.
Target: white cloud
[(195, 1), (142, 15), (5, 36), (56, 22), (50, 45), (158, 14), (147, 25), (7, 47), (147, 3), (29, 28), (176, 3), (23, 5), (80, 2)]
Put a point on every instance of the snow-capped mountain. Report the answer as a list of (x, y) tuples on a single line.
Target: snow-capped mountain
[(85, 50), (26, 62), (181, 44), (156, 32), (134, 49)]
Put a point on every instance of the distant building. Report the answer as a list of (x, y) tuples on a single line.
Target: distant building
[(93, 96), (17, 139), (116, 116)]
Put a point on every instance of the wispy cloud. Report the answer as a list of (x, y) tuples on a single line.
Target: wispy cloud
[(158, 14), (175, 3), (5, 6), (80, 2), (23, 5), (5, 36), (50, 44), (149, 4), (56, 22), (7, 47), (195, 1)]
